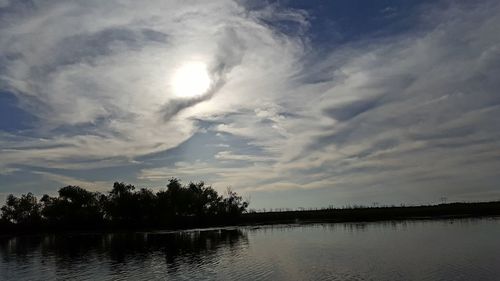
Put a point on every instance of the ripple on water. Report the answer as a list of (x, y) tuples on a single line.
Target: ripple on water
[(431, 250)]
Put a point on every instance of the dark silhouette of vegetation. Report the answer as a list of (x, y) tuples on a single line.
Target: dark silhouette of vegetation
[(192, 205), (178, 206), (375, 213), (24, 210)]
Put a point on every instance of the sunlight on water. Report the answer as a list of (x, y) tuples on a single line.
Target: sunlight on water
[(418, 250)]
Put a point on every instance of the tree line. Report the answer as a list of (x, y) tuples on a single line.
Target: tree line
[(194, 204)]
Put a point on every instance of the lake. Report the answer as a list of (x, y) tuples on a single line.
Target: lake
[(464, 249)]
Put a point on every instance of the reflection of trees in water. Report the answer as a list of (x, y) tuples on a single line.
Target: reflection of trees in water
[(191, 246)]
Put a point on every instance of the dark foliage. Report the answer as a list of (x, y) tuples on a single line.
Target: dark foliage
[(24, 210), (360, 213), (74, 206), (195, 204)]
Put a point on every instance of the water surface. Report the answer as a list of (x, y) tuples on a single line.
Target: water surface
[(408, 250)]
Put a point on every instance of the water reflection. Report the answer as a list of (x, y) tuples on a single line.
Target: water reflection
[(465, 249), (117, 250)]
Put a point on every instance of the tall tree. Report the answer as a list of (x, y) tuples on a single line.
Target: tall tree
[(21, 210)]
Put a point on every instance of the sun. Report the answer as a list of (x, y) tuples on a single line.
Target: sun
[(191, 80)]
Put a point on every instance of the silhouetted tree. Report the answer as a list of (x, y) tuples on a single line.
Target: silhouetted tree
[(175, 196), (22, 210), (204, 199), (120, 206), (145, 204), (74, 206), (233, 205), (178, 205)]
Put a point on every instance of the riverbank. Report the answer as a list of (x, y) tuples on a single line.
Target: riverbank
[(358, 214)]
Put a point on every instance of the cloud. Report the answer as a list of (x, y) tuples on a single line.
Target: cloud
[(96, 75), (344, 112), (101, 186), (408, 117)]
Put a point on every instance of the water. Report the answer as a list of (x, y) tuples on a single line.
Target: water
[(410, 250)]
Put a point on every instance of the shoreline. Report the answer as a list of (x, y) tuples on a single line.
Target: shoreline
[(441, 211), (346, 215)]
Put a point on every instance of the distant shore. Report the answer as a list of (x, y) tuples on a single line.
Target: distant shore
[(330, 215), (360, 214)]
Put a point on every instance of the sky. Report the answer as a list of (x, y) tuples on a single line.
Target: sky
[(290, 103)]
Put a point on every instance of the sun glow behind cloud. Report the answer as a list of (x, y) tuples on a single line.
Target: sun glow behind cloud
[(191, 80)]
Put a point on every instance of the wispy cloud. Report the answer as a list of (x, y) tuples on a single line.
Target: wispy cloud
[(411, 115)]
